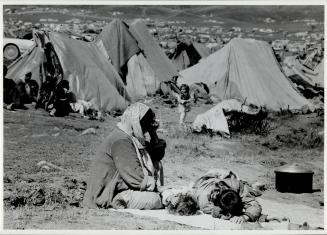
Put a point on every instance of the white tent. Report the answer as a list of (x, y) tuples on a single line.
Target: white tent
[(246, 70)]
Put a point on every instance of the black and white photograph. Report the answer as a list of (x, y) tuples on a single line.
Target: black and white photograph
[(163, 116)]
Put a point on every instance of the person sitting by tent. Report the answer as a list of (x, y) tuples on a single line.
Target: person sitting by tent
[(184, 99), (11, 98), (21, 93), (32, 90), (127, 169), (62, 100), (46, 92), (27, 89)]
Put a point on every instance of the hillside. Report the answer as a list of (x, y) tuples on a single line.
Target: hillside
[(244, 13)]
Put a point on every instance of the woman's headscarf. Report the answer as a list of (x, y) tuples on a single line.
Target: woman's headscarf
[(130, 121)]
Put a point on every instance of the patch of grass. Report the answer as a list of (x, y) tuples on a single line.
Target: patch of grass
[(303, 138)]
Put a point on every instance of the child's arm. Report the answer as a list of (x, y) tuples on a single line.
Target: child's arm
[(252, 209)]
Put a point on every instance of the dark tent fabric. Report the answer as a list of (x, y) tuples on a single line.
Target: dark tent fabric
[(146, 64), (187, 54), (246, 70), (159, 62), (119, 44)]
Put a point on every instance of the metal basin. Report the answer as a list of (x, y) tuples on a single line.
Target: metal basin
[(293, 179)]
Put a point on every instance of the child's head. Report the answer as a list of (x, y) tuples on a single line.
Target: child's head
[(32, 88), (185, 205), (185, 89), (228, 200)]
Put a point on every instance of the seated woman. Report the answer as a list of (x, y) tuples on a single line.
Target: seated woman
[(46, 92), (127, 169), (62, 100)]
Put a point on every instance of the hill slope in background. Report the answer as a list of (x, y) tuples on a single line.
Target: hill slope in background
[(243, 13)]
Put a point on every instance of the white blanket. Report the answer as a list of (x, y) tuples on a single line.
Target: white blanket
[(297, 214)]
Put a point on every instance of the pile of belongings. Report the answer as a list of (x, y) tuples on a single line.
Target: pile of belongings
[(227, 115), (309, 80)]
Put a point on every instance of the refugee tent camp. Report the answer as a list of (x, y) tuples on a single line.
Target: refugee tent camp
[(188, 53), (246, 70), (91, 76), (110, 72)]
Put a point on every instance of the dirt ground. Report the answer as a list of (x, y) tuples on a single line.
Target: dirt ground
[(48, 198)]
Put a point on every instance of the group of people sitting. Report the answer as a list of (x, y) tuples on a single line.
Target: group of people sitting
[(53, 95), (16, 95), (127, 172)]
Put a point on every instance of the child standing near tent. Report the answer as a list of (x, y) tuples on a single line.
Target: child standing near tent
[(184, 99)]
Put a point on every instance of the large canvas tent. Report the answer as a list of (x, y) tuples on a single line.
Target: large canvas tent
[(138, 58), (246, 69), (91, 76)]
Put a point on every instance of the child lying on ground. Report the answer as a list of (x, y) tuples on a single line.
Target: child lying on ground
[(220, 193)]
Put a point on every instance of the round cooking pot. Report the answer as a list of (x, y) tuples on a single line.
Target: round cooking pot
[(293, 179)]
